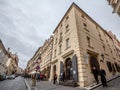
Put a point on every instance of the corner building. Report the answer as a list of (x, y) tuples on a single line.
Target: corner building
[(80, 44)]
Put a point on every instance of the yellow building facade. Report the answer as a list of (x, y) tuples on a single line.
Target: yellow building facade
[(78, 45), (79, 36)]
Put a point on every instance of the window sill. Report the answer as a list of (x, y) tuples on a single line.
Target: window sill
[(90, 46), (67, 47), (86, 29), (60, 53)]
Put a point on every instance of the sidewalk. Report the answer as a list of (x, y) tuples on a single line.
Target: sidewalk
[(46, 85)]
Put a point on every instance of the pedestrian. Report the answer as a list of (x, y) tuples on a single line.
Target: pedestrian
[(103, 78), (55, 79), (95, 73), (63, 77), (33, 76)]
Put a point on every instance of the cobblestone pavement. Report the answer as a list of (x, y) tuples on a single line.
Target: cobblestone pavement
[(112, 85), (46, 85), (13, 84)]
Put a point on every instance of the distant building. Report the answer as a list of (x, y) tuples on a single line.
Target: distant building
[(3, 58), (12, 63), (8, 61), (116, 6), (19, 71)]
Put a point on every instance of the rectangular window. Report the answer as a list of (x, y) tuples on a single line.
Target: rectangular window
[(60, 40), (55, 53), (67, 17), (67, 28), (85, 27), (67, 43), (60, 49), (56, 41), (109, 66), (89, 42)]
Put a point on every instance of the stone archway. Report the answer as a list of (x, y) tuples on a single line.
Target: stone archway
[(68, 69)]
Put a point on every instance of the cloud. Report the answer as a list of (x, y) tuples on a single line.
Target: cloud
[(25, 24)]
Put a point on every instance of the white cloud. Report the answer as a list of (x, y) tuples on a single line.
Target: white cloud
[(25, 24)]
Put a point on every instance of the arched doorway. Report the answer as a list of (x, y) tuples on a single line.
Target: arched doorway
[(68, 69), (94, 62)]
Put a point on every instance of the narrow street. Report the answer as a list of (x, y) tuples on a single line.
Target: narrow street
[(13, 84)]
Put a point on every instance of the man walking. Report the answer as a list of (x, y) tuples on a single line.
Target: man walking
[(103, 78), (95, 73)]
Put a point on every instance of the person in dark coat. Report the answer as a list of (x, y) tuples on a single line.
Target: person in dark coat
[(55, 79), (95, 73), (103, 78)]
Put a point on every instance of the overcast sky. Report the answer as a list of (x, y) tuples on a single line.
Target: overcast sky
[(26, 24)]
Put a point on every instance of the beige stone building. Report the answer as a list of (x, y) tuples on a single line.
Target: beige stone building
[(19, 71), (8, 61), (116, 6), (42, 58), (3, 58), (116, 42), (32, 63), (46, 57), (12, 63), (78, 45)]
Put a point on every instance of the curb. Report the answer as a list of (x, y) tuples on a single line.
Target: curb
[(27, 85)]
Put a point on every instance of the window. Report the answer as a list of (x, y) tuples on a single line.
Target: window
[(56, 41), (55, 53), (67, 27), (104, 49), (113, 68), (67, 43), (117, 67), (60, 25), (89, 42), (60, 40), (60, 49), (85, 27), (83, 16), (67, 17), (100, 36), (109, 66)]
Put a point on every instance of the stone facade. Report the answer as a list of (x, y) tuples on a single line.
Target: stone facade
[(8, 61), (78, 45), (42, 58), (12, 63), (3, 58), (116, 6)]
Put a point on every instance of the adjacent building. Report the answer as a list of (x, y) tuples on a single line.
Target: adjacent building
[(3, 58), (41, 61), (116, 6), (78, 44), (12, 63), (8, 61), (46, 57)]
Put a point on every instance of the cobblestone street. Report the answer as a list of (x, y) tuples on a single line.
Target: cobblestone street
[(112, 85)]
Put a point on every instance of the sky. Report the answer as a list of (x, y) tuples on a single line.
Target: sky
[(26, 24)]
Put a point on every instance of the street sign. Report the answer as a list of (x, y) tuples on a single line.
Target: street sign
[(37, 68)]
